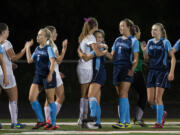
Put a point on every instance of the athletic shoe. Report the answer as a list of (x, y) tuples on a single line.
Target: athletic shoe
[(50, 127), (48, 122), (128, 125), (84, 125), (119, 125), (140, 122), (164, 118), (93, 126), (157, 125), (57, 126), (18, 125), (90, 119), (39, 124)]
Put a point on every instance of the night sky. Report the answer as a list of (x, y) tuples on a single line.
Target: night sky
[(25, 18)]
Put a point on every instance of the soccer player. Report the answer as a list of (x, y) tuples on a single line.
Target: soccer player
[(85, 68), (98, 80), (9, 56), (44, 59), (158, 48), (125, 58), (139, 84), (176, 46), (59, 90)]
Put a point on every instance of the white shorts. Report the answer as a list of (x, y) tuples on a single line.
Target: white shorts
[(59, 81), (11, 79), (84, 75)]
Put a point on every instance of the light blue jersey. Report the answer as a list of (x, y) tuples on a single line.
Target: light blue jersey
[(1, 51)]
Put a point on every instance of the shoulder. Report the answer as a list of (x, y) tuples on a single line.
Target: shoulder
[(150, 41)]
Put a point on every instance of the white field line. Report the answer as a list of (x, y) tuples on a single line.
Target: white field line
[(103, 123), (95, 132)]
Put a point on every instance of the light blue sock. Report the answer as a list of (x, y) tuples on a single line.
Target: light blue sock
[(159, 113), (98, 114), (127, 120), (53, 113), (92, 105), (37, 109), (122, 109), (154, 106)]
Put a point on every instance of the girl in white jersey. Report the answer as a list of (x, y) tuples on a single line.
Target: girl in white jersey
[(85, 69), (59, 91), (11, 89)]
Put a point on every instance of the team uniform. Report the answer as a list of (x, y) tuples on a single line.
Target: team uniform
[(41, 58), (176, 46), (99, 76), (85, 73), (12, 81), (124, 50), (158, 69)]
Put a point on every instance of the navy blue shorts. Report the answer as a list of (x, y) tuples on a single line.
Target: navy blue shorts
[(42, 80), (120, 74), (99, 76), (158, 79)]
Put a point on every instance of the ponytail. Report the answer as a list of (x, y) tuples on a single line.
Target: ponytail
[(162, 29)]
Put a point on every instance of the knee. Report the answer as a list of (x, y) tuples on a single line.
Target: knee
[(151, 101), (31, 98)]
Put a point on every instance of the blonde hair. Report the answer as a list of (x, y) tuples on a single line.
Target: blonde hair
[(48, 35), (162, 29), (89, 24), (51, 29)]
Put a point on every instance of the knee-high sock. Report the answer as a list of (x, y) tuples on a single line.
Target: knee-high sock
[(47, 112), (13, 111), (86, 108), (154, 106), (127, 119), (98, 114), (53, 113), (81, 106), (58, 107), (159, 113), (37, 109), (92, 105), (122, 109)]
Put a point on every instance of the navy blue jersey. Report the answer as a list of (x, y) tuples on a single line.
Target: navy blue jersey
[(158, 54), (41, 57), (124, 50)]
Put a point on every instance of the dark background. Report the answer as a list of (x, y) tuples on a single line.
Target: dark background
[(26, 17)]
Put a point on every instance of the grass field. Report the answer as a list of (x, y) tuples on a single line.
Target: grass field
[(69, 127)]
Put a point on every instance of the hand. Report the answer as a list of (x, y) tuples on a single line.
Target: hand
[(29, 43), (5, 81), (171, 77), (62, 75), (49, 78), (105, 46), (131, 72), (14, 66), (64, 44), (143, 45)]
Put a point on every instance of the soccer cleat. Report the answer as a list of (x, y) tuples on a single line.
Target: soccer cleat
[(57, 126), (157, 125), (50, 127), (119, 125), (128, 125), (140, 122), (48, 122), (93, 126), (84, 125), (18, 125), (90, 119), (164, 118), (39, 124)]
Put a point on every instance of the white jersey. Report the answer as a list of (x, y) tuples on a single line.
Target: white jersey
[(86, 48), (5, 46), (56, 66)]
